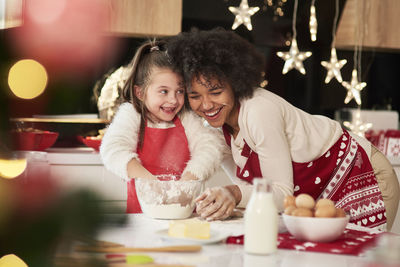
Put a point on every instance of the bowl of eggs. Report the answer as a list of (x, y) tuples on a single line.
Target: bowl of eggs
[(314, 221)]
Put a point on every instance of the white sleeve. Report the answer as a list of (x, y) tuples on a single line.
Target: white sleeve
[(119, 142), (206, 145), (229, 167), (264, 131)]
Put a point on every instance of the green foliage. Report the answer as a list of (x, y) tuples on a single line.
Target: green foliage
[(37, 237)]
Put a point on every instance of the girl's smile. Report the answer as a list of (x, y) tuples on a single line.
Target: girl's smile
[(164, 97)]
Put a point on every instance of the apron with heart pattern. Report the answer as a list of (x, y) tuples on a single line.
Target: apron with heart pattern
[(343, 174)]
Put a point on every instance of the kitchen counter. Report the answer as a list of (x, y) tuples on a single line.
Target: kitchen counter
[(142, 231), (82, 167)]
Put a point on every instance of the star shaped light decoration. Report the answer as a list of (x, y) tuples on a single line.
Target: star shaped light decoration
[(357, 126), (354, 88), (294, 58), (333, 67), (243, 14)]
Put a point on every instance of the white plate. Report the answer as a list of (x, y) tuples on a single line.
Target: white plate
[(214, 237)]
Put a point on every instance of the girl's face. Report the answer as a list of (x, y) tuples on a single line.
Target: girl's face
[(214, 101), (164, 96)]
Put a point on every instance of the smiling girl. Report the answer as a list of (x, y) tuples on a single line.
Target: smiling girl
[(152, 134)]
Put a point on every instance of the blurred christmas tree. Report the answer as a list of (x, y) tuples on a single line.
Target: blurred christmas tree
[(37, 220)]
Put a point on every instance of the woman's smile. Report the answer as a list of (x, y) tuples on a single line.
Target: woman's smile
[(213, 114), (214, 101)]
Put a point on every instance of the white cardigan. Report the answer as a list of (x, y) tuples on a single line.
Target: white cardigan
[(280, 133), (119, 144)]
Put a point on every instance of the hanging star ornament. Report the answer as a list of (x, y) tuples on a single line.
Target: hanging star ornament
[(353, 88), (357, 126), (333, 67), (243, 14), (294, 58)]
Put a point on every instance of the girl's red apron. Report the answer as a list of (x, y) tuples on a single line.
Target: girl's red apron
[(343, 174), (164, 151)]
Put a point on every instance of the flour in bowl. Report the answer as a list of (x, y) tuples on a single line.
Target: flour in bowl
[(168, 211), (167, 199)]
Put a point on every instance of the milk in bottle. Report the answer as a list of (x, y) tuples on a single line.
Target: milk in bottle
[(261, 220)]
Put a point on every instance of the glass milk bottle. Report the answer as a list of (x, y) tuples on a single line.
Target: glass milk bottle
[(261, 220)]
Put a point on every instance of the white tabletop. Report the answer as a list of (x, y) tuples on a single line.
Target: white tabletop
[(141, 231)]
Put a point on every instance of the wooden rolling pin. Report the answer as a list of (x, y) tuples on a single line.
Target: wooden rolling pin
[(188, 248), (97, 243), (79, 260)]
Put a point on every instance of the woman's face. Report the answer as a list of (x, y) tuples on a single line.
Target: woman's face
[(214, 101)]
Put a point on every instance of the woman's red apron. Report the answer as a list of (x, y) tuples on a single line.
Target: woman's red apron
[(343, 174), (164, 151)]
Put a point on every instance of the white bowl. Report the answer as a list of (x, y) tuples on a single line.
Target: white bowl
[(315, 229), (167, 199)]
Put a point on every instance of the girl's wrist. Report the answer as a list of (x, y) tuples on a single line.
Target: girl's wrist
[(189, 176)]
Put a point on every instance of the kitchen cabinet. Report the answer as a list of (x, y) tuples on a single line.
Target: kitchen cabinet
[(145, 18), (369, 23), (11, 13), (81, 168)]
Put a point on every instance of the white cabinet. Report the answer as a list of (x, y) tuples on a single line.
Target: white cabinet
[(81, 168)]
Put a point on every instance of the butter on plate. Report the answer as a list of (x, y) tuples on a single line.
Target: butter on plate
[(189, 228)]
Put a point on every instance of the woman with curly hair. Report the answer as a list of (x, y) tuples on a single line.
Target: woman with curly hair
[(268, 137)]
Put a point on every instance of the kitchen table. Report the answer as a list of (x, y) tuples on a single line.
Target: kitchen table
[(141, 231)]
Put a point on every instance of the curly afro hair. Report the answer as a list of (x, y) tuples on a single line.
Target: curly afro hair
[(218, 54)]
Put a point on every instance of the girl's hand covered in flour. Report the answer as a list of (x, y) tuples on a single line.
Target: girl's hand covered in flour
[(188, 176), (217, 203)]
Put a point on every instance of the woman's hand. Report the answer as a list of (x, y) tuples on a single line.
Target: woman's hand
[(217, 203)]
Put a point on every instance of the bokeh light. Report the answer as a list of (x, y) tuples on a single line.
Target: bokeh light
[(67, 36), (27, 79), (11, 260), (45, 11), (11, 168)]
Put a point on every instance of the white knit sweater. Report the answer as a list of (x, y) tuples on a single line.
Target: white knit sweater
[(118, 147), (280, 133)]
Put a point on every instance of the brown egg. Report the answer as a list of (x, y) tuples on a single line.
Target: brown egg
[(289, 201), (324, 202), (325, 211), (305, 201), (302, 212), (340, 212), (289, 210)]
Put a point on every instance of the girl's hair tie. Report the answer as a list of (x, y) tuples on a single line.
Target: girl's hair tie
[(154, 48)]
